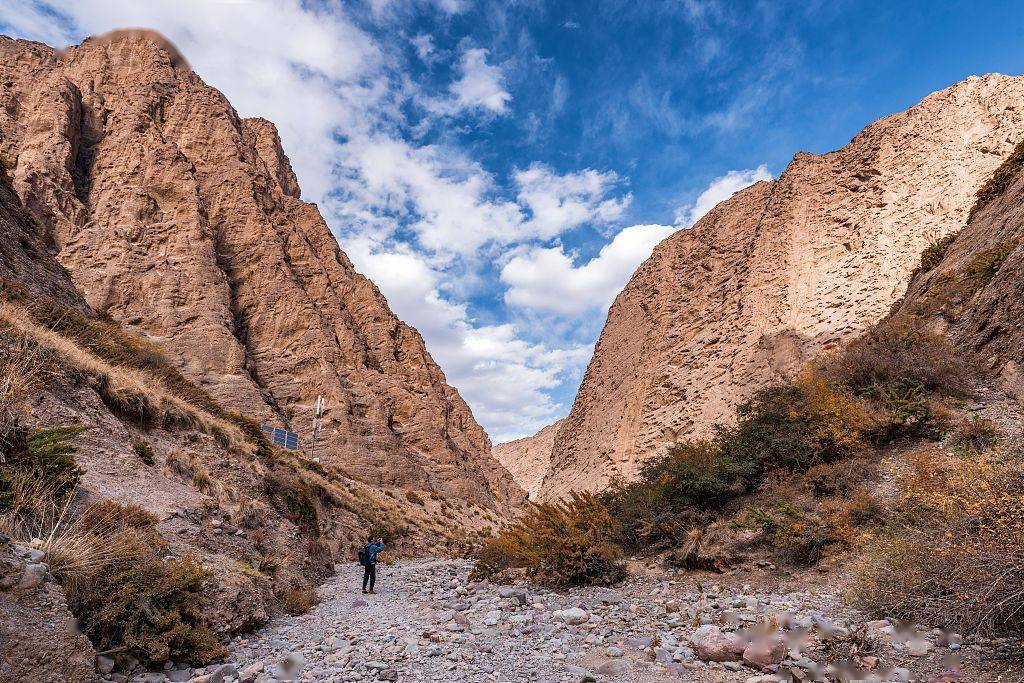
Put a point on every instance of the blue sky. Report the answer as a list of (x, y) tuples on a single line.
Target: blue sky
[(500, 168)]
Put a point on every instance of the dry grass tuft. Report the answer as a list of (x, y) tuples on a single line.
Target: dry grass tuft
[(298, 600), (134, 394)]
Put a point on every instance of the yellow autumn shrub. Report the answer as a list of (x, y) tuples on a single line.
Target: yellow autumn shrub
[(558, 544), (955, 558)]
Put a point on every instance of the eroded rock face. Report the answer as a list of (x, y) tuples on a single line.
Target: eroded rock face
[(528, 459), (777, 273), (975, 295), (182, 221)]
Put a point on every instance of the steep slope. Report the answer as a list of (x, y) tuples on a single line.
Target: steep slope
[(777, 273), (263, 522), (182, 221), (528, 459), (971, 287)]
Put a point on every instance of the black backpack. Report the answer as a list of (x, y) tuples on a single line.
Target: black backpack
[(364, 557)]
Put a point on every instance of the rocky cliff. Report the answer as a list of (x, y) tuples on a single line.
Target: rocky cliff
[(970, 287), (183, 221), (528, 459), (777, 273)]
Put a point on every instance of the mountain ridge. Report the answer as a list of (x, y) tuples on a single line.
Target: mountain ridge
[(775, 274), (183, 221)]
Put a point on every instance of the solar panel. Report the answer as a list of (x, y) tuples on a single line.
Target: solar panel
[(282, 437)]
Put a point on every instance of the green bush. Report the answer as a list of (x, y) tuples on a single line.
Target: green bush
[(896, 366), (144, 451), (138, 602), (50, 456), (297, 499), (558, 544), (673, 494), (983, 267), (996, 185), (795, 427), (933, 254)]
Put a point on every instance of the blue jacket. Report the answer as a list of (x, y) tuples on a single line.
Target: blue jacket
[(371, 551)]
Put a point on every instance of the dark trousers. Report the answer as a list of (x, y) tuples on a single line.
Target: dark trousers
[(369, 575)]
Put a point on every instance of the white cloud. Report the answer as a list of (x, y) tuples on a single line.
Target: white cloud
[(720, 189), (547, 279), (561, 202), (481, 86), (425, 49), (415, 218), (502, 376)]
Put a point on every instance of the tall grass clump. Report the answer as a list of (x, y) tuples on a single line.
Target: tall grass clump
[(557, 544), (933, 254)]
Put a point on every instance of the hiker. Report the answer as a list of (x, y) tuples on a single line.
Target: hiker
[(368, 558)]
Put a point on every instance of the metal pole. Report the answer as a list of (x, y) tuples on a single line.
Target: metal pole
[(317, 412)]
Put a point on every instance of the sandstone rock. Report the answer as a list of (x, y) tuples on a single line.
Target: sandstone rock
[(182, 220), (573, 616), (777, 273), (528, 459), (614, 667), (712, 645), (765, 652)]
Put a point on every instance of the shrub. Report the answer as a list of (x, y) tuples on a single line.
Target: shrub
[(296, 498), (837, 478), (413, 498), (796, 427), (1000, 179), (801, 536), (974, 435), (789, 428), (49, 455), (559, 544), (980, 270), (673, 494), (297, 600), (933, 254), (956, 560), (147, 606), (895, 365), (144, 451)]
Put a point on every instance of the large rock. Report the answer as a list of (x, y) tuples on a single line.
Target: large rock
[(776, 274), (712, 645), (183, 221), (573, 616), (765, 652)]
